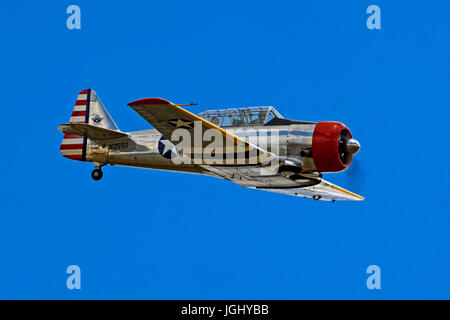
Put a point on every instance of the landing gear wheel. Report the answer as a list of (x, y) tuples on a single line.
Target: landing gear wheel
[(97, 174)]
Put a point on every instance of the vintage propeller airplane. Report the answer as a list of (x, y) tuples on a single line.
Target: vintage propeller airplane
[(254, 147)]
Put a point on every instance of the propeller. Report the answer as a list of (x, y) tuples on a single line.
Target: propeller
[(355, 173), (348, 147)]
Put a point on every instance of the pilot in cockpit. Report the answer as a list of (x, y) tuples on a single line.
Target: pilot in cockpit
[(260, 119), (215, 120)]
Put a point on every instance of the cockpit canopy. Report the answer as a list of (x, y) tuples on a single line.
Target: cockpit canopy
[(239, 117)]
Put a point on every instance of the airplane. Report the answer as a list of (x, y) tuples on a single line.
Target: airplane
[(255, 147)]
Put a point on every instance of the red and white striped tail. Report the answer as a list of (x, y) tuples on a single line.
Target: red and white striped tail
[(74, 147)]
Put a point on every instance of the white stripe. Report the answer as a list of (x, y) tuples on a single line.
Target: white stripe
[(82, 96), (78, 119), (79, 108), (73, 152), (72, 141)]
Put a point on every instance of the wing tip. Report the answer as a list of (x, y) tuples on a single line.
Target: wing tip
[(149, 101), (357, 196)]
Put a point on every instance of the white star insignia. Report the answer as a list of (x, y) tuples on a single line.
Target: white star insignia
[(180, 123), (168, 146)]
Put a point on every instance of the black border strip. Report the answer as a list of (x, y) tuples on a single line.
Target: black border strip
[(88, 102)]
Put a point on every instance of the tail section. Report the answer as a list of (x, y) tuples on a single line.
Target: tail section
[(98, 115), (88, 110)]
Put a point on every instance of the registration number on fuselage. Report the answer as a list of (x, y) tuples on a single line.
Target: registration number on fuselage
[(117, 146)]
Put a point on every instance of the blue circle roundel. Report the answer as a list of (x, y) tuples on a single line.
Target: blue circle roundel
[(166, 148)]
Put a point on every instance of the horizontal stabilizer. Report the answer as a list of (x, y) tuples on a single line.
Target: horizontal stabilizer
[(90, 131)]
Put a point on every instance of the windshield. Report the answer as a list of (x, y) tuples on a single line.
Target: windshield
[(237, 117)]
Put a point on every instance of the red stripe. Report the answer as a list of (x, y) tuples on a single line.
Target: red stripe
[(71, 146), (84, 91), (66, 136), (78, 113), (74, 157), (81, 102)]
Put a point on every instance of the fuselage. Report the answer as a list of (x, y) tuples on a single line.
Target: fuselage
[(149, 149)]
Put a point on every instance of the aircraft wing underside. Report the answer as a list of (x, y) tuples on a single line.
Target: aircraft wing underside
[(306, 186), (322, 191)]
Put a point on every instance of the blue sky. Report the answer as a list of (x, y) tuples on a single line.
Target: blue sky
[(142, 234)]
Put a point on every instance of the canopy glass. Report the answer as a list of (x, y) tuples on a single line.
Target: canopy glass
[(239, 117)]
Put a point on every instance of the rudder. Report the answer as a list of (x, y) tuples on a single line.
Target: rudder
[(88, 109)]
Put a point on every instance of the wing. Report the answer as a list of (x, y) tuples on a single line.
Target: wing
[(323, 190), (268, 179), (167, 117), (92, 132)]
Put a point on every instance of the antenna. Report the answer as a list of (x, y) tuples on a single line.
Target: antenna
[(188, 104)]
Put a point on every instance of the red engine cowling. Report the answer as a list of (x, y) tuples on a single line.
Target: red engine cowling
[(329, 146)]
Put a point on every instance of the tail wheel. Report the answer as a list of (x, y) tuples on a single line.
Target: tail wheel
[(97, 174)]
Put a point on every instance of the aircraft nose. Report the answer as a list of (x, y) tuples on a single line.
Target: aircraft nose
[(353, 146)]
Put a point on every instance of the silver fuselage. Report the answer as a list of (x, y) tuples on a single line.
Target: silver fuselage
[(142, 149)]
